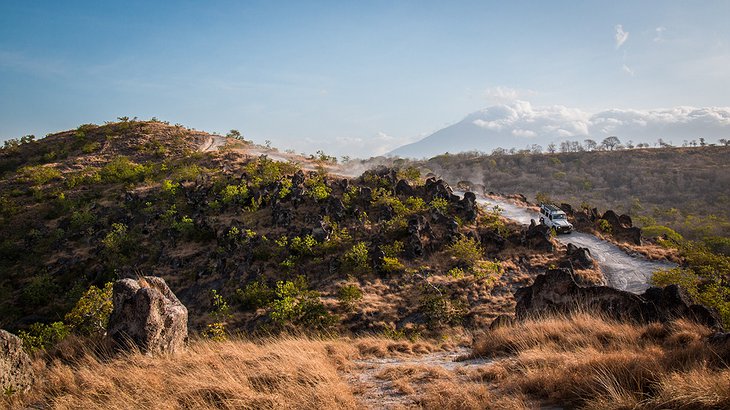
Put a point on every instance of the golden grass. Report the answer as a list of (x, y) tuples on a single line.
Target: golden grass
[(591, 362), (286, 373)]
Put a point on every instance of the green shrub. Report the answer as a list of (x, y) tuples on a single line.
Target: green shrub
[(220, 313), (392, 250), (169, 187), (40, 291), (295, 304), (122, 169), (439, 204), (42, 336), (604, 226), (303, 246), (90, 147), (488, 269), (90, 315), (391, 265), (234, 193), (704, 276), (440, 309), (466, 251), (655, 231), (349, 294), (117, 240), (356, 258), (39, 175), (255, 295)]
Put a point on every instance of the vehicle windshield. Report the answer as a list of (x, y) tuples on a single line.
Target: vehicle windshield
[(558, 216)]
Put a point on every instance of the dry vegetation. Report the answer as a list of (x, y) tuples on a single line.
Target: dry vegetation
[(589, 362), (685, 188)]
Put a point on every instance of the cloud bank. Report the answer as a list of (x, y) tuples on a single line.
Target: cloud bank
[(520, 124)]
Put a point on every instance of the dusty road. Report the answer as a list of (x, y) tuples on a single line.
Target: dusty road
[(621, 270)]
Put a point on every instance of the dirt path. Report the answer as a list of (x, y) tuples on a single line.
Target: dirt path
[(212, 143), (621, 270), (377, 390)]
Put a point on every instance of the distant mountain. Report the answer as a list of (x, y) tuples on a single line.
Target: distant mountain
[(519, 125)]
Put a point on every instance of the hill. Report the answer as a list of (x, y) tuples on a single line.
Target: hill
[(687, 189), (387, 251), (408, 296)]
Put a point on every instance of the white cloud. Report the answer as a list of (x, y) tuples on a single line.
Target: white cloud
[(621, 35), (658, 38), (502, 94), (626, 69)]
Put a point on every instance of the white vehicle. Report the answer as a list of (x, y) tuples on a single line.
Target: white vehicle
[(555, 218)]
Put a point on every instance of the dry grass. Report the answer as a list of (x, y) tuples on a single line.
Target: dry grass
[(286, 373), (592, 362)]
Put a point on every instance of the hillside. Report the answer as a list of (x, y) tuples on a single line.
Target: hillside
[(687, 189), (387, 251), (401, 294)]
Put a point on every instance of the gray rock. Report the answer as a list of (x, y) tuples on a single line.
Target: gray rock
[(147, 315), (558, 291), (16, 370)]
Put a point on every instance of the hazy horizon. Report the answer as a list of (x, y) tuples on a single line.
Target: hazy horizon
[(359, 79)]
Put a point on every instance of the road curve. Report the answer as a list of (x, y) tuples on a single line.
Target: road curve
[(212, 143), (621, 270)]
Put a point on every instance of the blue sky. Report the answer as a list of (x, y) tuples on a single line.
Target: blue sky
[(349, 77)]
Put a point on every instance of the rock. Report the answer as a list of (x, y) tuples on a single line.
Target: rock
[(335, 208), (580, 257), (557, 291), (567, 208), (280, 216), (147, 315), (467, 206), (404, 188), (437, 189), (16, 369), (298, 178), (621, 227), (537, 237), (414, 247)]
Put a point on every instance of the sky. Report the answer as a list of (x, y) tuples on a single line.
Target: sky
[(350, 77)]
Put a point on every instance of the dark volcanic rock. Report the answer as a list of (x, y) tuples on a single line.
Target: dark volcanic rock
[(580, 257), (557, 291), (16, 369), (404, 188), (147, 315), (537, 237)]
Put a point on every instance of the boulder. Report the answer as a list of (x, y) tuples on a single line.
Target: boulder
[(16, 370), (557, 291), (537, 237), (148, 316), (622, 227), (580, 257), (404, 188)]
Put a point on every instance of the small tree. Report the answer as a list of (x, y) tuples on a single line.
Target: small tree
[(611, 143)]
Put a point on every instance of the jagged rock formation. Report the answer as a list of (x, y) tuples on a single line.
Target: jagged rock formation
[(147, 315), (580, 257), (16, 370), (557, 291), (537, 236)]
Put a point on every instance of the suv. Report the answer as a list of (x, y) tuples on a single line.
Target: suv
[(555, 218)]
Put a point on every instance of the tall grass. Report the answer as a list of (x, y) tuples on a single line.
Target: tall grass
[(592, 362)]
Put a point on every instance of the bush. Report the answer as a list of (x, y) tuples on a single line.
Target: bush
[(295, 304), (39, 175), (116, 240), (440, 309), (303, 246), (349, 294), (42, 336), (356, 258), (465, 251), (255, 295), (604, 226), (220, 312), (121, 169), (90, 315), (440, 204), (234, 193), (655, 231), (391, 265), (40, 290)]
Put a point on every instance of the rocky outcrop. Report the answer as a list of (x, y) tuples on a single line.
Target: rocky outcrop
[(580, 257), (16, 370), (557, 291), (148, 316), (537, 237), (622, 228)]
